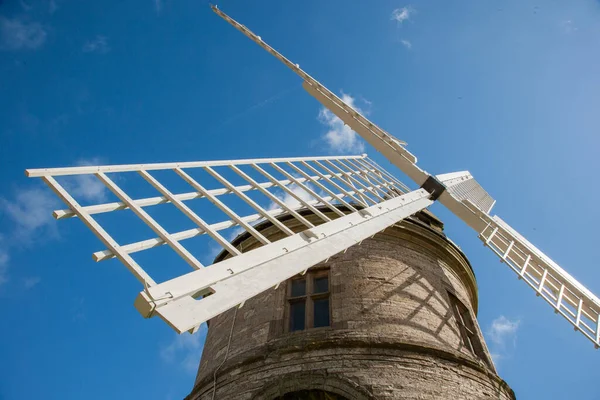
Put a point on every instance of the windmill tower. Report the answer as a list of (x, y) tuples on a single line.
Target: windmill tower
[(393, 318), (341, 284)]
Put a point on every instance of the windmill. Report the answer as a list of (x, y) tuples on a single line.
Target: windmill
[(363, 198)]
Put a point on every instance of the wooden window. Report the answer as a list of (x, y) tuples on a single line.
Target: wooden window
[(466, 326), (308, 301)]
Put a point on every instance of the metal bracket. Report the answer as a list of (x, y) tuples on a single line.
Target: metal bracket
[(433, 187)]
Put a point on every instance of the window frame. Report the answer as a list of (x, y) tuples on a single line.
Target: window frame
[(308, 298), (469, 333)]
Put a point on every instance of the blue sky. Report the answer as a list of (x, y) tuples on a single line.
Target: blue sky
[(506, 89)]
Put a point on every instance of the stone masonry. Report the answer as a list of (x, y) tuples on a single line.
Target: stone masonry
[(393, 334)]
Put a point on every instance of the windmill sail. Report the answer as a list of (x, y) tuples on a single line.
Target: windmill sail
[(462, 195), (334, 202)]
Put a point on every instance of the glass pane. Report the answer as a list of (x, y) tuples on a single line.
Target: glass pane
[(298, 287), (297, 312), (321, 312), (321, 285)]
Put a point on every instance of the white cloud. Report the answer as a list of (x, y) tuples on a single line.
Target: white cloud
[(502, 336), (158, 6), (340, 138), (31, 214), (402, 14), (185, 350), (97, 45), (31, 282), (16, 34), (30, 211), (86, 187), (290, 200), (406, 43), (502, 331)]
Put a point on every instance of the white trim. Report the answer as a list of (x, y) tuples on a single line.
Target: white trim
[(39, 172)]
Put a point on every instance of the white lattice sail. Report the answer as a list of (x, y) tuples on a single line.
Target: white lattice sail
[(352, 197)]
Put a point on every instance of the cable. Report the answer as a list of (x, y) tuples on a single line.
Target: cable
[(226, 354)]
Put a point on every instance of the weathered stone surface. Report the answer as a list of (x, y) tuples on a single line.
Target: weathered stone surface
[(392, 335)]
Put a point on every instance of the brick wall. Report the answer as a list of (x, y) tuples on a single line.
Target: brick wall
[(392, 335)]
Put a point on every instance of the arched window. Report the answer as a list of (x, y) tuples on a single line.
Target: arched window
[(310, 395)]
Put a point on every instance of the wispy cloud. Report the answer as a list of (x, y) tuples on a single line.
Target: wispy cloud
[(26, 6), (290, 200), (406, 43), (30, 212), (568, 26), (402, 14), (52, 6), (4, 258), (97, 45), (78, 309), (158, 6), (340, 138), (32, 281), (16, 34), (502, 336), (185, 350), (86, 187), (503, 330)]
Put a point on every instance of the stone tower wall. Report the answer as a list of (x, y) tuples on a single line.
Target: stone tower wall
[(393, 334)]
